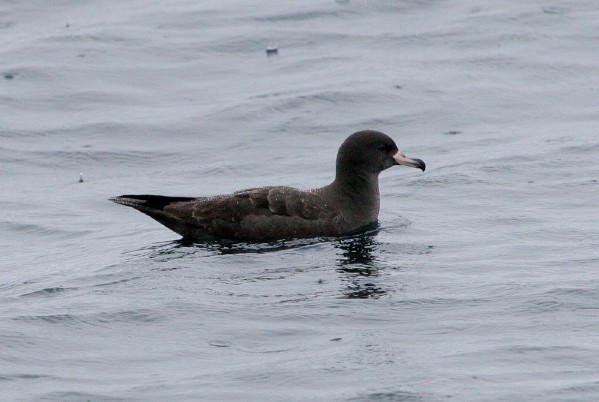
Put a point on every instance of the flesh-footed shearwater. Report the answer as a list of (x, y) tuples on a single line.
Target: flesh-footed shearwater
[(349, 203)]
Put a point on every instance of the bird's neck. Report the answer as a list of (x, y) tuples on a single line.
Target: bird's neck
[(357, 181), (360, 191)]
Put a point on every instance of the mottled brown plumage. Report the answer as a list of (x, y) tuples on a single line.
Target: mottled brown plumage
[(349, 203)]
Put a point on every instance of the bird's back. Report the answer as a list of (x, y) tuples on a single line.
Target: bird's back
[(265, 213)]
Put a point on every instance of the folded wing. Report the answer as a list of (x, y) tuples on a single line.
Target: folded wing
[(258, 213)]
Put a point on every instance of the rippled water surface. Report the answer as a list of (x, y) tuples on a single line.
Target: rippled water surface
[(480, 282)]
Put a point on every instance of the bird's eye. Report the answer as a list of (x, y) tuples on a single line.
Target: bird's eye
[(381, 147)]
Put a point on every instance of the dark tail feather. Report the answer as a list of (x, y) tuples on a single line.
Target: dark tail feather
[(156, 202), (153, 206)]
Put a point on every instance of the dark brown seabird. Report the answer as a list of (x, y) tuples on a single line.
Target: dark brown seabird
[(349, 203)]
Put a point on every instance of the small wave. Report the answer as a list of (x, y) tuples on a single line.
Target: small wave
[(395, 396), (578, 150), (446, 302), (451, 178), (569, 299), (239, 44), (95, 319), (323, 99), (51, 318), (37, 229), (87, 155), (53, 291), (24, 376), (79, 396), (303, 16), (555, 10), (129, 316)]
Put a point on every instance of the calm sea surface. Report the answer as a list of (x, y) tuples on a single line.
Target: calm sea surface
[(481, 282)]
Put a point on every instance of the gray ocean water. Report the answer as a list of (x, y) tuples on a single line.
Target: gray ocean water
[(481, 282)]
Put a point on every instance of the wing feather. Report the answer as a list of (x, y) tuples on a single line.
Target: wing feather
[(268, 212)]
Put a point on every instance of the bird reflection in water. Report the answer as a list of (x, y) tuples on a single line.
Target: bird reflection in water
[(358, 263)]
